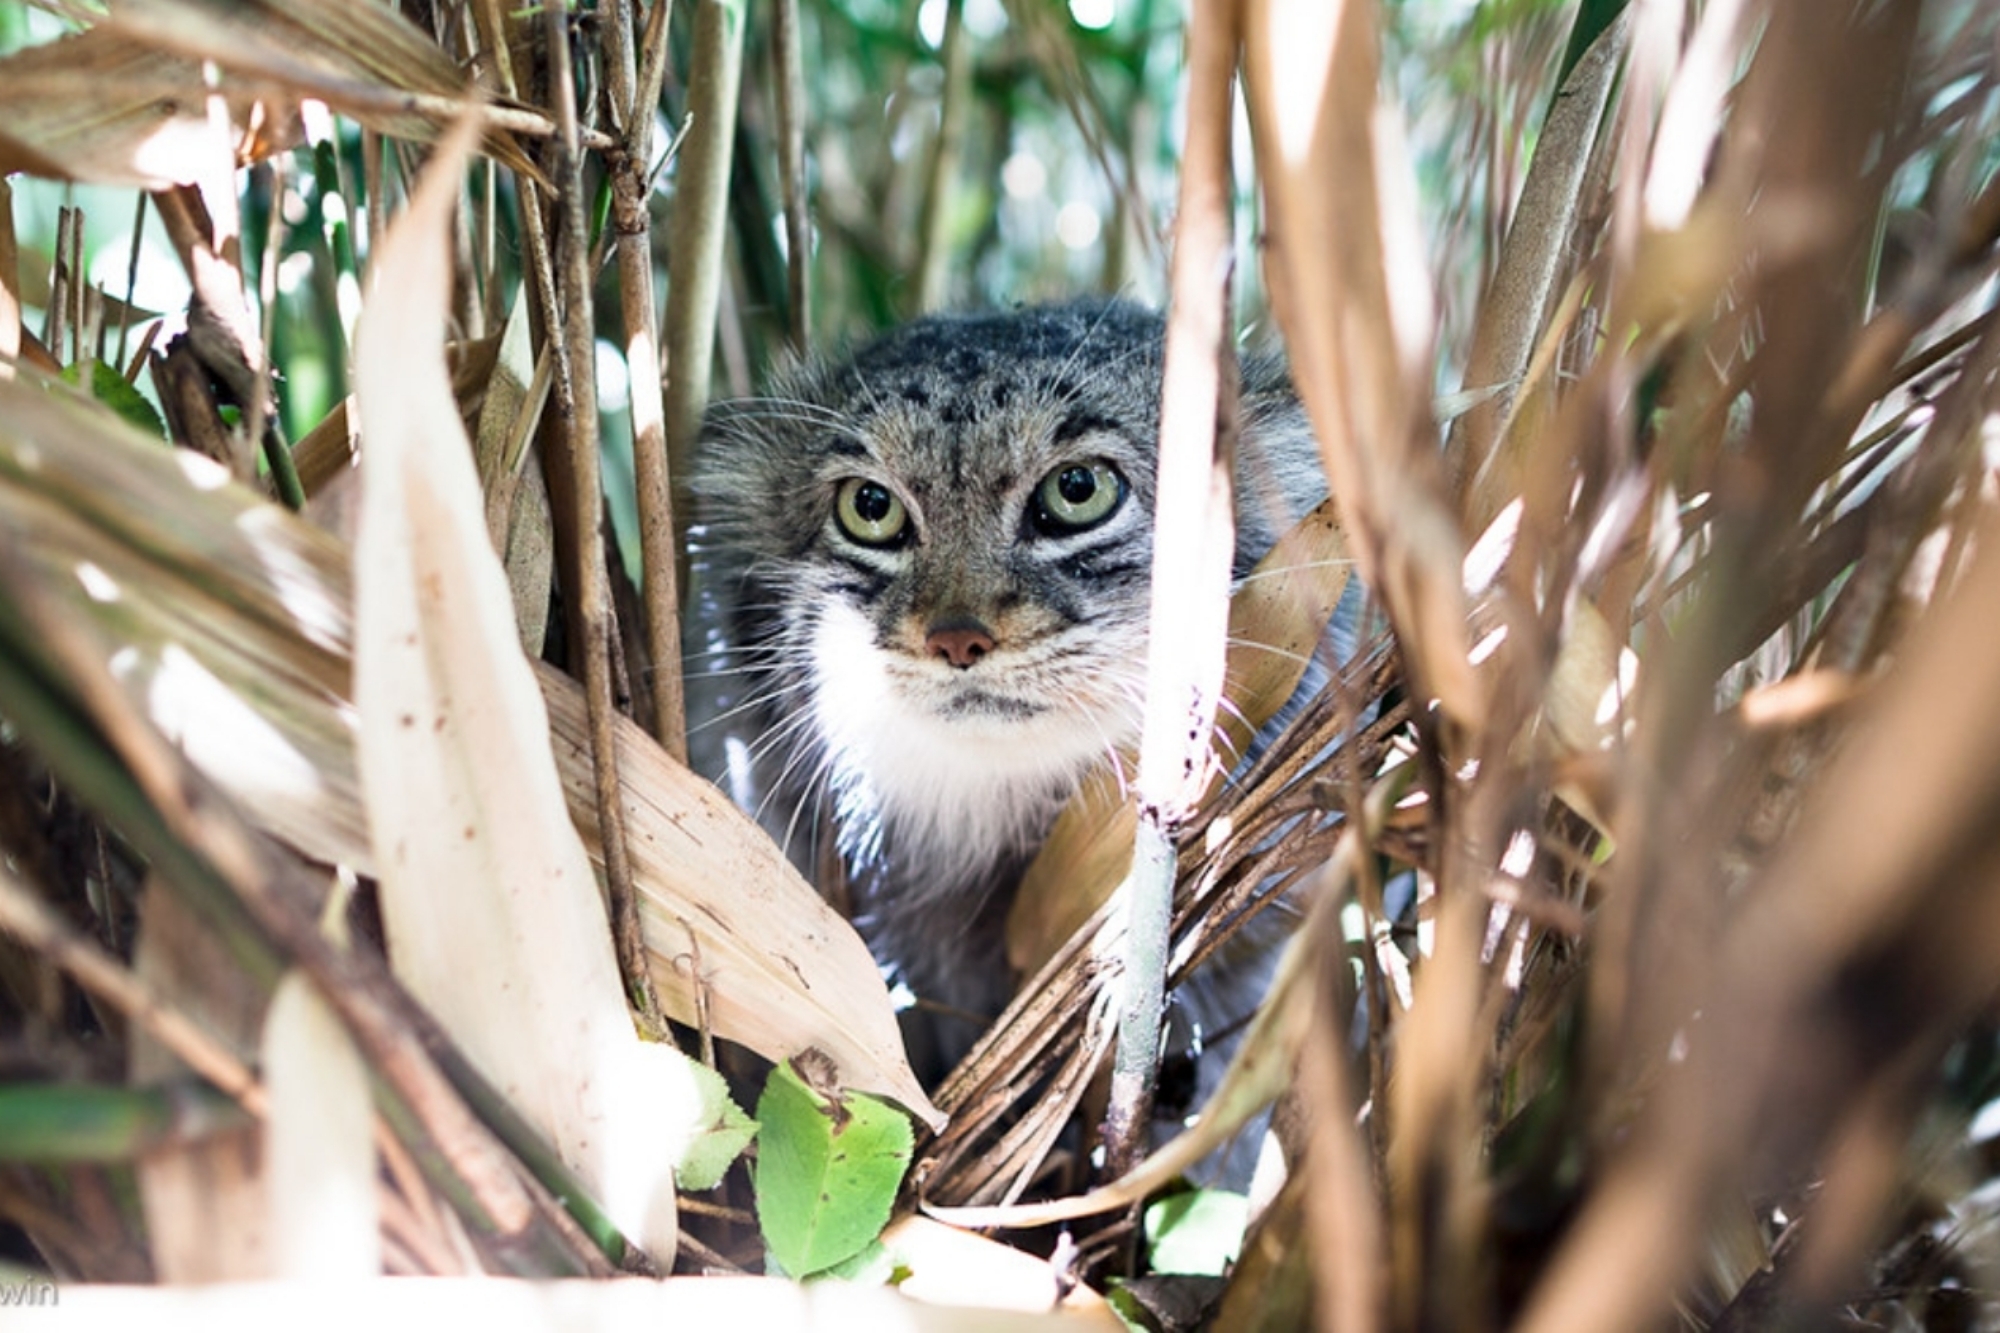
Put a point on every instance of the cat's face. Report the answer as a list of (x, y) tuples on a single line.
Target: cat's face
[(949, 549)]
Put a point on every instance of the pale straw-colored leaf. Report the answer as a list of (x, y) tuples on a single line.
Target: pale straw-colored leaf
[(492, 913), (951, 1267), (735, 934), (319, 1142), (507, 1306), (517, 499)]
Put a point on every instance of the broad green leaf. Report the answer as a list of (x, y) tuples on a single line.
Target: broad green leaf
[(107, 386), (828, 1168), (1198, 1231), (721, 1139)]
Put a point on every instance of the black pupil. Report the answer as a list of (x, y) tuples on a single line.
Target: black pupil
[(1076, 484), (872, 503)]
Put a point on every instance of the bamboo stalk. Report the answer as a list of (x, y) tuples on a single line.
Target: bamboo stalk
[(934, 260), (1194, 540), (633, 229), (576, 345), (701, 205), (785, 39)]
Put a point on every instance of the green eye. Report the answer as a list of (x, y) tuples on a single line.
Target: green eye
[(870, 513), (1077, 496)]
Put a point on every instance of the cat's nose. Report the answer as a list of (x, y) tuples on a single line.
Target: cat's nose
[(960, 642)]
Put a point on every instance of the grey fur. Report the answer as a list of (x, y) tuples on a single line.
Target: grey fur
[(939, 780)]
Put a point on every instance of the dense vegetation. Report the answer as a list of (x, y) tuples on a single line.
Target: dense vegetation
[(1646, 860)]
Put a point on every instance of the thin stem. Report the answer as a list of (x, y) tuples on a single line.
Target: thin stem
[(792, 172), (934, 267), (1192, 553), (701, 206), (632, 228), (576, 394)]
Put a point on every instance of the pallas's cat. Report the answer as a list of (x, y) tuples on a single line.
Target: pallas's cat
[(933, 558)]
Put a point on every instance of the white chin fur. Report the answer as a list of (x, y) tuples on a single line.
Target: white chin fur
[(960, 788)]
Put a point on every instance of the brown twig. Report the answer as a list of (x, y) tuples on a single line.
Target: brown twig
[(632, 227), (576, 398)]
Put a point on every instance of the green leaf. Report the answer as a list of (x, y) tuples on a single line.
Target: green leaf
[(107, 386), (1200, 1232), (828, 1167), (46, 1122), (727, 1132), (874, 1265)]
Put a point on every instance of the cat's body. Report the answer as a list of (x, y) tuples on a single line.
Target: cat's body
[(935, 559)]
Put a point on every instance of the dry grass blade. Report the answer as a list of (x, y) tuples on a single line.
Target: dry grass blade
[(1354, 306), (156, 133), (1868, 944), (1262, 1069)]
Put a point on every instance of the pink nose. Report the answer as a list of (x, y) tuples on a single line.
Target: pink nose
[(961, 644)]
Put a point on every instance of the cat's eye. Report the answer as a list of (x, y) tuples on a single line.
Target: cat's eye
[(870, 513), (1078, 495)]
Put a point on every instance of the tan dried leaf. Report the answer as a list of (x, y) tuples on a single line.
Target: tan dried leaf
[(493, 915), (107, 108)]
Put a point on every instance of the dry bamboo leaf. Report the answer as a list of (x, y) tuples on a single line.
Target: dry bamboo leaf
[(319, 1142), (147, 124), (517, 498), (1587, 687), (364, 59), (1276, 620), (226, 618), (1516, 309), (229, 619), (725, 911), (205, 1206), (951, 1267), (491, 910)]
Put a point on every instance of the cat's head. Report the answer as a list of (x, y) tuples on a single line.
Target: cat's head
[(946, 548)]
